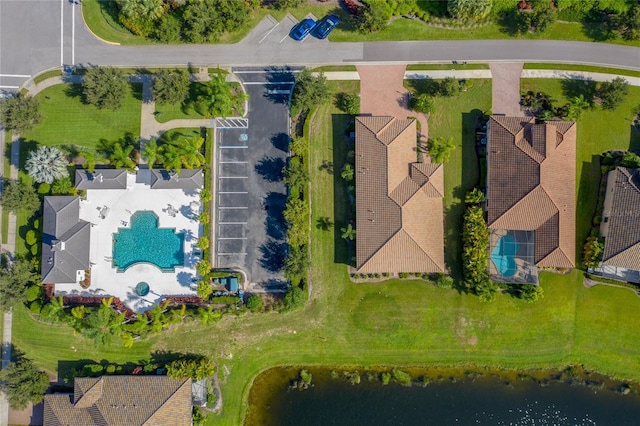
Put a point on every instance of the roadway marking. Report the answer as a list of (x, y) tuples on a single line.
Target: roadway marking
[(275, 83), (233, 147), (73, 34), (265, 71), (16, 75), (232, 192), (283, 38), (232, 162), (232, 238), (232, 208), (231, 254), (233, 177), (232, 223), (269, 32), (9, 87)]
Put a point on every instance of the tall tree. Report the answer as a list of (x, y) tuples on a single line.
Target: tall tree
[(15, 279), (206, 21), (151, 153), (19, 197), (374, 16), (143, 9), (170, 87), (440, 149), (104, 87), (89, 160), (20, 113), (310, 90), (218, 100), (612, 93), (469, 9), (24, 383), (46, 164), (295, 173), (121, 156)]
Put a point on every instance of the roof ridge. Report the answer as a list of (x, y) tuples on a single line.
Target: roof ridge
[(418, 244), (160, 406)]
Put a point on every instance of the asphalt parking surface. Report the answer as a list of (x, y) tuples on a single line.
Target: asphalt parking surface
[(250, 193)]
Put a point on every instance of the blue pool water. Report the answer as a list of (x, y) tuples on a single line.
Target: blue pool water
[(503, 255), (145, 242)]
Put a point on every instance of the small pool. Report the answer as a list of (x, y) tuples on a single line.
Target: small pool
[(145, 242), (503, 255), (142, 289)]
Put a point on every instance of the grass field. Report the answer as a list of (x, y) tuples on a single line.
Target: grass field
[(446, 67), (408, 323), (68, 121), (578, 67), (168, 112)]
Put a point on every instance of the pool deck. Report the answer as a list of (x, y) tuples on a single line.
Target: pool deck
[(122, 203)]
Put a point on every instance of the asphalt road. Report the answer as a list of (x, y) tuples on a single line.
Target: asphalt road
[(38, 35)]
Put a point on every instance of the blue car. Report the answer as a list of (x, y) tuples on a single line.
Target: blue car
[(302, 30), (326, 26)]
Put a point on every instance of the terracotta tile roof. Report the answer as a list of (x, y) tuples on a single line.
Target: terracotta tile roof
[(399, 212), (622, 244), (121, 400), (531, 184)]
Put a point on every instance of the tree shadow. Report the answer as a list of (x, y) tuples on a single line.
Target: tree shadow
[(427, 86), (574, 87), (598, 26), (587, 199), (326, 166), (342, 206), (513, 23), (136, 90), (274, 204), (279, 83), (75, 91), (270, 169), (281, 141), (273, 255), (324, 223)]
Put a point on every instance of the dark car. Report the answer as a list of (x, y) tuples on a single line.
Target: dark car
[(326, 26), (302, 30)]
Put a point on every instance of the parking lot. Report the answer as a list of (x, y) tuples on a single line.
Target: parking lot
[(270, 32), (250, 193)]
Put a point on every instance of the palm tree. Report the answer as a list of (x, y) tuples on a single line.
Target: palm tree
[(56, 308), (121, 156), (149, 9), (46, 164), (216, 101), (348, 233), (127, 340), (63, 187), (189, 149), (209, 315), (171, 158), (576, 106), (151, 152), (90, 160), (76, 320)]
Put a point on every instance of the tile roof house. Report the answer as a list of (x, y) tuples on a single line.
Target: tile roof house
[(620, 225), (399, 211), (531, 189), (65, 241), (121, 400)]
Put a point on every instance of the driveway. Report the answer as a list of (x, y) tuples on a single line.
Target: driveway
[(250, 193), (382, 92), (505, 89)]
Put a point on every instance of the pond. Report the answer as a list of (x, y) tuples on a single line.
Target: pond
[(443, 397)]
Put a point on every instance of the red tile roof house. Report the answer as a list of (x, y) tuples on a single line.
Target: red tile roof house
[(620, 226), (531, 197), (399, 210), (121, 400)]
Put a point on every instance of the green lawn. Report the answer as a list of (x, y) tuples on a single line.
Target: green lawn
[(447, 67), (68, 121), (407, 323), (168, 112), (577, 67)]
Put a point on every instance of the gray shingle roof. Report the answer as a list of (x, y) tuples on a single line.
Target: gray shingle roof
[(622, 244), (185, 179), (122, 400), (101, 179), (65, 240)]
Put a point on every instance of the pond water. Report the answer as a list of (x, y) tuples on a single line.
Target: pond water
[(471, 399)]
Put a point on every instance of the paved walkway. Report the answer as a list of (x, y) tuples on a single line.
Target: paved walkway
[(505, 88)]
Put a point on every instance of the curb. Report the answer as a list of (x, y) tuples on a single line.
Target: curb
[(113, 43)]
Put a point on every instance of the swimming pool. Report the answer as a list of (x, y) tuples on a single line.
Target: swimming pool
[(503, 255), (145, 242)]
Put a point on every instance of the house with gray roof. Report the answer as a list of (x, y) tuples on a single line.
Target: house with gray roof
[(620, 226), (183, 179), (121, 400), (101, 179), (65, 241)]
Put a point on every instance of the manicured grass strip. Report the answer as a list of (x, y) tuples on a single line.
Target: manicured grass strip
[(8, 136), (101, 16), (446, 67), (63, 346), (577, 67), (335, 68), (68, 121), (45, 75)]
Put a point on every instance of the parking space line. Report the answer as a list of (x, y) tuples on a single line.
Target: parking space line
[(265, 71), (233, 177), (233, 147), (231, 254), (272, 83), (232, 238), (232, 192), (232, 162), (232, 223), (283, 38), (269, 32), (232, 208)]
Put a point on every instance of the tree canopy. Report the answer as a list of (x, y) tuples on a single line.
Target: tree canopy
[(18, 197), (15, 278), (469, 9), (46, 164), (170, 87), (20, 113), (440, 149), (612, 93), (104, 87), (24, 383), (206, 21), (374, 16), (309, 90)]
